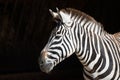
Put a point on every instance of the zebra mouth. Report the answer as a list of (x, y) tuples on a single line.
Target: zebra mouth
[(46, 67)]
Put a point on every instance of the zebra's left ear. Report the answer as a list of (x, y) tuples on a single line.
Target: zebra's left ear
[(56, 15)]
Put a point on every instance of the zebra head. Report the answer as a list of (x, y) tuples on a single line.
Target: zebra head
[(61, 43)]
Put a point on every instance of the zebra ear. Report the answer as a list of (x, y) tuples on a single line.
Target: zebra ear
[(55, 15), (57, 9)]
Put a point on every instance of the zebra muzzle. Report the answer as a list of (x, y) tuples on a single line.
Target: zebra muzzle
[(46, 66)]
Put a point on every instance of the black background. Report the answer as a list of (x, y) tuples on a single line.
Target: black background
[(25, 26)]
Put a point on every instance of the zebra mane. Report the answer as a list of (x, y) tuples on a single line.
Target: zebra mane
[(77, 13)]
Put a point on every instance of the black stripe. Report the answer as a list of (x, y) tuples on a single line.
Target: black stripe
[(56, 42), (58, 48), (102, 51), (89, 77), (110, 65), (54, 53), (65, 50), (66, 45), (83, 41), (67, 38), (93, 51), (96, 65), (115, 57)]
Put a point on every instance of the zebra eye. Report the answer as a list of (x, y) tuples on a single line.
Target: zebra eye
[(68, 23), (58, 32)]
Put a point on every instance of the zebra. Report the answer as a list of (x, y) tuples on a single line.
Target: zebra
[(79, 33)]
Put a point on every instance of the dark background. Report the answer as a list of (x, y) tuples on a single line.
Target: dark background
[(25, 26)]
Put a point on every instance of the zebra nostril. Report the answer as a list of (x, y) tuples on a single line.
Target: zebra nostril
[(41, 62)]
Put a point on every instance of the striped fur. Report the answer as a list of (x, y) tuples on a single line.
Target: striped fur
[(79, 33)]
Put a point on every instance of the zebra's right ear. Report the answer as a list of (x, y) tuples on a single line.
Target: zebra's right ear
[(55, 15)]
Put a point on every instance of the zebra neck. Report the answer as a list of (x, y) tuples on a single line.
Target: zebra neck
[(89, 51), (93, 27)]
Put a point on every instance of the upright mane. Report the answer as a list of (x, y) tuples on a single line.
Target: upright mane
[(76, 14)]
